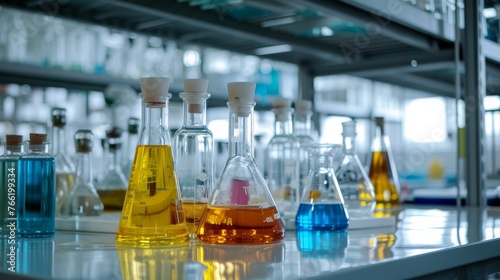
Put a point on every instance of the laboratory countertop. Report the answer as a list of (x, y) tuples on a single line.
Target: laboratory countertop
[(430, 242)]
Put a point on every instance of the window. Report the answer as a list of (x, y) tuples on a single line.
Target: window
[(425, 120)]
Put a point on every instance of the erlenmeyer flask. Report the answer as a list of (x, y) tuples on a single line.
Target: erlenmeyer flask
[(356, 187), (383, 172), (152, 212), (322, 204), (83, 199), (241, 208)]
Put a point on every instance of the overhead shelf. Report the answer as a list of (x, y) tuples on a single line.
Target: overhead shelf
[(378, 40)]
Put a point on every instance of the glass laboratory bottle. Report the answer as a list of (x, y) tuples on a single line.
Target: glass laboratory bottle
[(36, 194), (355, 185), (302, 130), (130, 145), (64, 168), (83, 199), (113, 186), (383, 172), (241, 209), (9, 181), (322, 205), (282, 153), (152, 213), (194, 153)]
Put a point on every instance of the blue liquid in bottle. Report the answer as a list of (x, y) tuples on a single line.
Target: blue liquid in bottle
[(321, 216), (36, 193)]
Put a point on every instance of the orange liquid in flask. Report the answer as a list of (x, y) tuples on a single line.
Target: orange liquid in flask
[(152, 213), (241, 224)]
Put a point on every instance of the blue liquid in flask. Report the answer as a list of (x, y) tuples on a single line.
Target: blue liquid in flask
[(36, 197), (321, 216)]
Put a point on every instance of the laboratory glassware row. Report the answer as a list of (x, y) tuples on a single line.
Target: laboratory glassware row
[(167, 192)]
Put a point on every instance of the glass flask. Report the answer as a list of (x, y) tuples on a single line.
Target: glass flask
[(113, 186), (194, 153), (36, 192), (83, 199), (322, 204), (383, 172), (152, 212), (241, 209), (354, 183), (282, 154), (64, 167), (130, 145), (302, 130), (14, 148)]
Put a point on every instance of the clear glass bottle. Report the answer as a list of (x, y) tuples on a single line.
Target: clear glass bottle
[(383, 174), (36, 194), (64, 167), (193, 147), (355, 185), (302, 129), (113, 187), (83, 199), (322, 204), (282, 157), (152, 213), (241, 209), (14, 148), (131, 144)]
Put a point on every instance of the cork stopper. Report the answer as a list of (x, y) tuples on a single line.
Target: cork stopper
[(114, 138), (282, 103), (13, 140), (58, 117), (303, 107), (379, 121), (195, 94), (37, 138), (155, 91), (84, 141), (241, 96)]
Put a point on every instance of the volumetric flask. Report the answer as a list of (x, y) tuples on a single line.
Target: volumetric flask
[(356, 187), (241, 209), (322, 204), (152, 212)]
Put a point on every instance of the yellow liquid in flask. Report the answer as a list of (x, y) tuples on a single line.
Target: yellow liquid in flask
[(152, 212)]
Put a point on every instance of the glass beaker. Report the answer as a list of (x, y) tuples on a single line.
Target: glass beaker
[(354, 183), (83, 199), (383, 172), (241, 209), (152, 212), (193, 145), (322, 204)]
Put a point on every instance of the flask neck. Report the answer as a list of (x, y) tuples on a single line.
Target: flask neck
[(302, 124), (154, 128), (114, 159), (283, 124), (241, 135), (320, 163), (13, 150), (130, 148), (378, 144), (349, 144), (194, 113), (58, 140), (84, 168)]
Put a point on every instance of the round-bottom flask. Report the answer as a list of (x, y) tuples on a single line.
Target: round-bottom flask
[(322, 204)]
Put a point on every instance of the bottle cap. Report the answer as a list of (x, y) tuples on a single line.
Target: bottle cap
[(58, 117), (84, 141), (37, 138), (195, 92), (349, 128), (241, 96), (12, 140), (133, 125), (114, 138), (303, 107), (282, 103), (155, 90)]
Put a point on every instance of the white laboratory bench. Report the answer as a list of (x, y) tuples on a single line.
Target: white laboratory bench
[(430, 242)]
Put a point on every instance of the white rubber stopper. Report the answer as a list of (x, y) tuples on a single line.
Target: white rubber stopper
[(195, 85), (349, 128), (155, 89), (303, 107), (241, 96), (282, 103)]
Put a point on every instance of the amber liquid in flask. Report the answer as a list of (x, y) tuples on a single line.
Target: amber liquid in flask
[(152, 212), (382, 172), (241, 209)]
